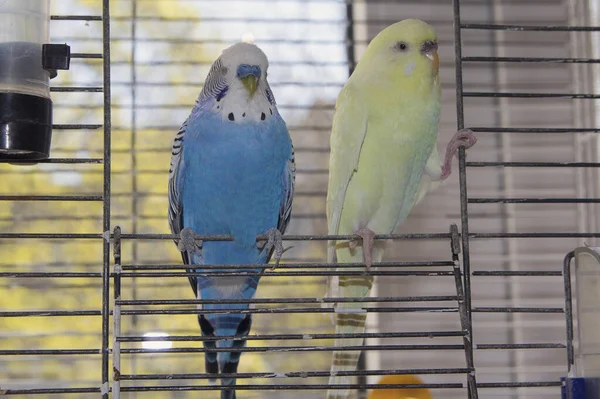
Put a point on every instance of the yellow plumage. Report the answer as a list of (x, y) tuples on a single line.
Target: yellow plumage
[(384, 131), (383, 157)]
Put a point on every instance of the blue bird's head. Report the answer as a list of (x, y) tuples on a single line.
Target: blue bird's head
[(249, 75)]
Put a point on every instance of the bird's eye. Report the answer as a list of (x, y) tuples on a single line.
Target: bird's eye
[(224, 70), (402, 46)]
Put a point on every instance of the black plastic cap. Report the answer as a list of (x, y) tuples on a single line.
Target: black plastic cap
[(25, 127), (56, 56)]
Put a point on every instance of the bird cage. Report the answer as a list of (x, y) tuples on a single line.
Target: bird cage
[(470, 295)]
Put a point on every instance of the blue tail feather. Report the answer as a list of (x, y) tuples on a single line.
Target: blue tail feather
[(228, 393), (227, 324), (230, 367), (210, 358)]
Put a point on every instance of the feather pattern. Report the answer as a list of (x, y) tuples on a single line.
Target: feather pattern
[(215, 84), (232, 173)]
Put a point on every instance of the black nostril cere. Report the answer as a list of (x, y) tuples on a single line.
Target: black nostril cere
[(244, 327)]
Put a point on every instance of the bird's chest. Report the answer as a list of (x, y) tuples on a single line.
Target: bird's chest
[(233, 183), (245, 166), (395, 151), (403, 139)]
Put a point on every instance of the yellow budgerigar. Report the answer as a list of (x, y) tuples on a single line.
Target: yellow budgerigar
[(400, 393), (383, 161)]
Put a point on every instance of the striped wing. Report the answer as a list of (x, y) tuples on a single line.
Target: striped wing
[(214, 87), (175, 205), (285, 211), (289, 180)]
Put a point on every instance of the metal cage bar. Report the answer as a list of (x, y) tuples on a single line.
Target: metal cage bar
[(121, 273), (116, 351), (464, 218), (104, 389)]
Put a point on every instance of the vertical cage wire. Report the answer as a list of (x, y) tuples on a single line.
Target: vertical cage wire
[(464, 218), (116, 352), (134, 164), (104, 389)]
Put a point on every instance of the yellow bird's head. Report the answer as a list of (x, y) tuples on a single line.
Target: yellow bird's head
[(406, 50), (400, 393)]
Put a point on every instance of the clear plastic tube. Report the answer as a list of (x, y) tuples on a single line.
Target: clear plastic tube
[(23, 31)]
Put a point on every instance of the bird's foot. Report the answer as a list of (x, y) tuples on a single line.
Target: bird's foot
[(462, 138), (367, 236), (188, 241), (274, 240)]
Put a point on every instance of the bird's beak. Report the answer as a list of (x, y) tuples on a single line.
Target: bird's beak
[(250, 82), (435, 59), (429, 50)]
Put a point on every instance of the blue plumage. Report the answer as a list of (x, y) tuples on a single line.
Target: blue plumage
[(232, 173)]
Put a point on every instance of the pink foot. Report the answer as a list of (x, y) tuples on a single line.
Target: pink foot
[(367, 236), (462, 138)]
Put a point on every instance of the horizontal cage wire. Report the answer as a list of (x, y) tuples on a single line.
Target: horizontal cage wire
[(470, 295)]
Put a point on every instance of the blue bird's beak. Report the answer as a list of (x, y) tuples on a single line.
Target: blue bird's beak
[(249, 75)]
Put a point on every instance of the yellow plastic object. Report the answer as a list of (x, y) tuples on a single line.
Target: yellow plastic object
[(400, 393)]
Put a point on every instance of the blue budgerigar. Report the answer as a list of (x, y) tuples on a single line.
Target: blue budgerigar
[(232, 173)]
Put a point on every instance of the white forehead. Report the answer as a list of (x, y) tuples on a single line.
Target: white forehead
[(244, 53)]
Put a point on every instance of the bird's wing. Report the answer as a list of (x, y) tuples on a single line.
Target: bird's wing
[(285, 210), (289, 180), (175, 205), (347, 137)]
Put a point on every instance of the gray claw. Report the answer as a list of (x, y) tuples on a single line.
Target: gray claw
[(188, 241), (275, 240)]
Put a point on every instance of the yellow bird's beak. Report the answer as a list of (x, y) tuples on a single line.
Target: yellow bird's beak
[(250, 82), (435, 59)]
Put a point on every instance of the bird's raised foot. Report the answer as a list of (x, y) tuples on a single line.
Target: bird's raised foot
[(188, 241), (274, 240), (367, 236), (462, 138)]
